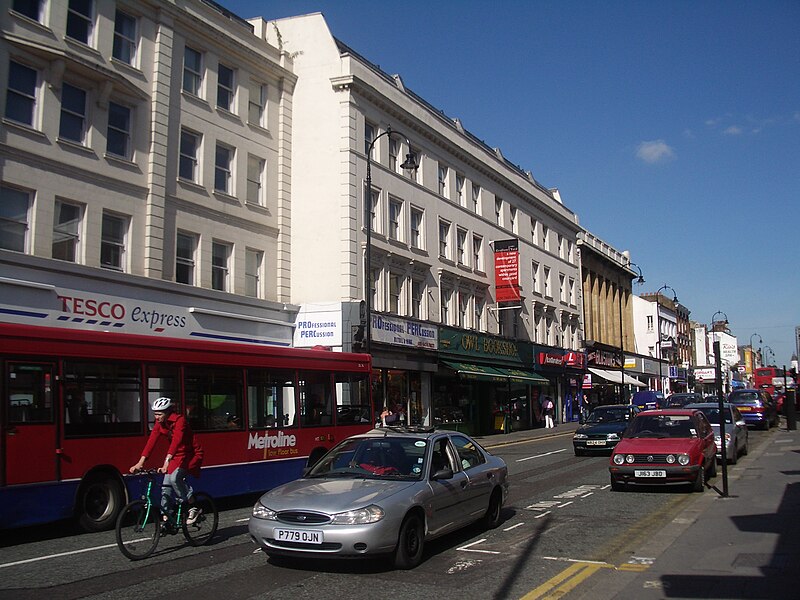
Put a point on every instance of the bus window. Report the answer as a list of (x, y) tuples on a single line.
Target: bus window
[(102, 398), (30, 398), (315, 398), (270, 399), (213, 397), (162, 381), (352, 399)]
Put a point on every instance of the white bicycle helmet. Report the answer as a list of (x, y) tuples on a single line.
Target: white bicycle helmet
[(162, 404)]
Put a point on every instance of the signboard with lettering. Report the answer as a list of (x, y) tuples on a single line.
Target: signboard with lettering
[(506, 270), (318, 325), (404, 332), (476, 345)]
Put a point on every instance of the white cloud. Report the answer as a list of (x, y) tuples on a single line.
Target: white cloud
[(733, 130), (654, 151), (688, 134)]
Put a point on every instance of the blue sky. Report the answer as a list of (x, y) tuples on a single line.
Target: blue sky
[(671, 128)]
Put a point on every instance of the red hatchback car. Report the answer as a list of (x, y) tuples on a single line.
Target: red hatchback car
[(665, 447)]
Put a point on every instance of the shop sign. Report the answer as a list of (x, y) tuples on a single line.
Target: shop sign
[(587, 381), (705, 375), (318, 325), (402, 332), (548, 359), (506, 270), (476, 345), (576, 360), (603, 358)]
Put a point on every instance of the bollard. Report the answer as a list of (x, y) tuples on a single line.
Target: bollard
[(789, 409)]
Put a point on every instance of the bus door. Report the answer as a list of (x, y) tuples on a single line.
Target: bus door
[(29, 432)]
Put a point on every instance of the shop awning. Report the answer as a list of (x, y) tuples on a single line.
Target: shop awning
[(616, 377), (522, 376), (486, 373), (473, 371)]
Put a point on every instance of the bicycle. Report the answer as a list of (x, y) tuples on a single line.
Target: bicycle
[(142, 523)]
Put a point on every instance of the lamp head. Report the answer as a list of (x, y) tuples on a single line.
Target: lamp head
[(410, 163)]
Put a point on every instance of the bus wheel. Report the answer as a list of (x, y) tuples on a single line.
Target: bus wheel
[(101, 499)]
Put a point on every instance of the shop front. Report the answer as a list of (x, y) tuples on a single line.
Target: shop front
[(605, 377), (564, 371), (482, 385)]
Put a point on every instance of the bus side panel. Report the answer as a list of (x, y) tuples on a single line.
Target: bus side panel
[(248, 478), (23, 505), (81, 455)]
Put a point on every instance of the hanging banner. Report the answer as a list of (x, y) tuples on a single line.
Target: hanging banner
[(506, 270)]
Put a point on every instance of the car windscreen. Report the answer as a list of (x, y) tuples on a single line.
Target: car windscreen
[(743, 398), (381, 458), (607, 415), (713, 415), (661, 426)]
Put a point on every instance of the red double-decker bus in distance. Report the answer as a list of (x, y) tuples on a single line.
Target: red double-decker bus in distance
[(75, 415), (769, 379)]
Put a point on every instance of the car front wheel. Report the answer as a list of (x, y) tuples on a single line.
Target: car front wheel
[(700, 482), (410, 543)]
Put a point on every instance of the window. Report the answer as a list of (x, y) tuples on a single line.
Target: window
[(498, 211), (66, 231), (395, 288), (445, 298), (29, 8), (185, 247), (412, 174), (460, 181), (14, 205), (562, 287), (374, 199), (560, 242), (192, 71), (476, 198), (443, 171), (547, 291), (112, 242), (223, 165), (73, 113), (253, 261), (534, 232), (417, 288), (124, 38), (463, 309), (546, 237), (477, 252), (477, 321), (395, 213), (220, 255), (650, 323), (394, 152), (79, 20), (535, 277), (225, 88), (444, 234), (570, 252), (118, 141), (369, 137), (255, 180), (513, 219), (375, 275), (23, 85), (571, 291), (190, 146), (257, 104), (468, 454), (461, 242), (416, 228), (213, 394)]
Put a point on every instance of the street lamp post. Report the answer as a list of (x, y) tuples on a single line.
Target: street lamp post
[(753, 354), (658, 325), (713, 330), (640, 281), (770, 351), (410, 164)]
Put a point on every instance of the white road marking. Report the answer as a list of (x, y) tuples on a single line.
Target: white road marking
[(576, 560), (468, 547), (540, 455), (565, 504), (462, 565), (513, 526), (541, 515), (587, 495), (49, 556)]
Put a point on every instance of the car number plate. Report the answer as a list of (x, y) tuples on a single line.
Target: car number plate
[(649, 473), (310, 536), (595, 442)]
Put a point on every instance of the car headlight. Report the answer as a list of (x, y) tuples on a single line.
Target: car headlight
[(612, 437), (629, 459), (683, 459), (671, 458), (262, 512), (619, 459), (361, 516), (581, 436)]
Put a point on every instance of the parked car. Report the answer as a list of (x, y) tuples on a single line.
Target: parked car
[(757, 407), (647, 399), (737, 441), (665, 447), (603, 428), (386, 492), (680, 400)]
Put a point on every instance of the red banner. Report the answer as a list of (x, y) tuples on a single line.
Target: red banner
[(506, 271)]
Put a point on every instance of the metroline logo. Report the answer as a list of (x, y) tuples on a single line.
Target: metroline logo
[(261, 442)]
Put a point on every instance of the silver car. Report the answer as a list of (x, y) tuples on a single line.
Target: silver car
[(737, 442), (385, 492)]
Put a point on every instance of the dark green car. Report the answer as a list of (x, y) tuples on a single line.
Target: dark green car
[(603, 428)]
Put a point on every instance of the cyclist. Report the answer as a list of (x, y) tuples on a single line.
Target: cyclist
[(184, 456)]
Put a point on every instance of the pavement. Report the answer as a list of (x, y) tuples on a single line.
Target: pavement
[(743, 545)]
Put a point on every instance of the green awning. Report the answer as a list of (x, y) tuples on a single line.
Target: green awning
[(486, 373), (522, 376), (473, 371)]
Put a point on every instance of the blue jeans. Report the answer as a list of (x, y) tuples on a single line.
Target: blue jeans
[(175, 486)]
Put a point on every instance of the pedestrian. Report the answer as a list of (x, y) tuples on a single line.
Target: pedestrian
[(549, 410)]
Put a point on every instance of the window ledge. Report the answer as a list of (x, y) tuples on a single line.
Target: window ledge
[(70, 145), (226, 197), (24, 128), (257, 207), (123, 162)]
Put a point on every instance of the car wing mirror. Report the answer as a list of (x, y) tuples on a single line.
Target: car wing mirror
[(444, 473), (741, 423)]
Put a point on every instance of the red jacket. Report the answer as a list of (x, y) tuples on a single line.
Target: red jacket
[(183, 446)]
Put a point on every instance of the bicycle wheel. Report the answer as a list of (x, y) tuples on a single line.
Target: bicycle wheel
[(138, 529), (203, 529)]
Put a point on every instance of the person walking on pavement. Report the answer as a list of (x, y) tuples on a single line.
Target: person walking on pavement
[(549, 409)]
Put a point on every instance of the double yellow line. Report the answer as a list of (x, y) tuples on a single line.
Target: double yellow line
[(578, 572)]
